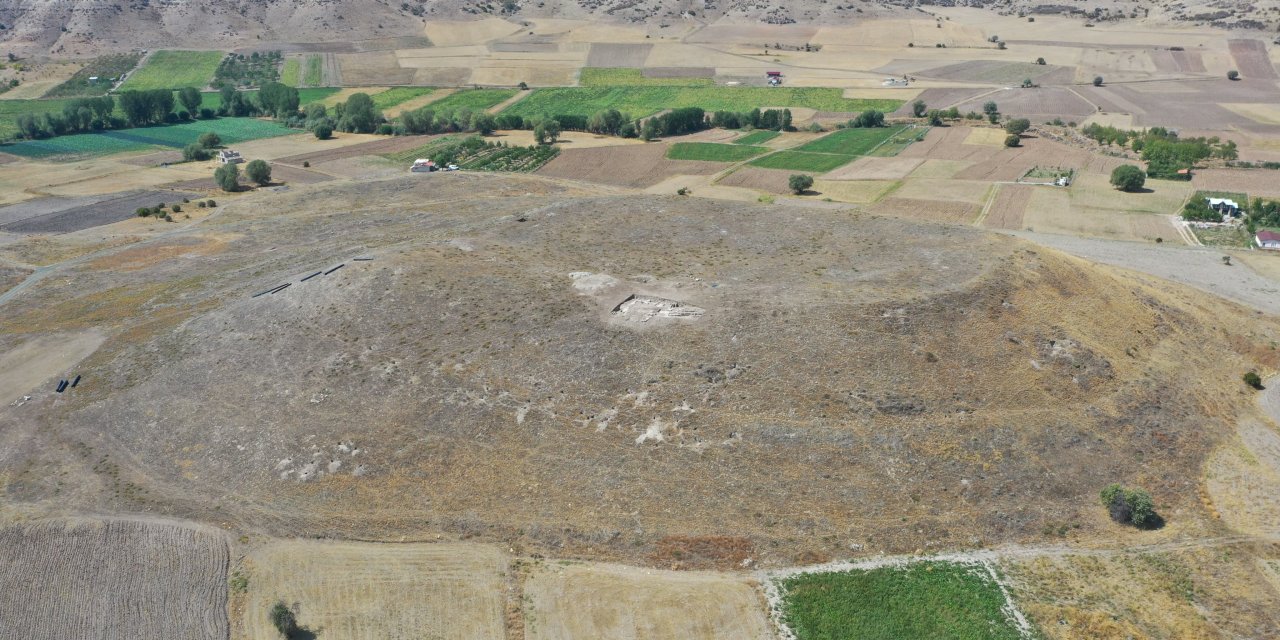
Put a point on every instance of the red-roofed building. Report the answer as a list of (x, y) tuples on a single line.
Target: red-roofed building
[(1267, 239)]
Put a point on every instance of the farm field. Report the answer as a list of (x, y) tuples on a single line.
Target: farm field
[(572, 601), (645, 101), (802, 161), (919, 600), (313, 74), (112, 579), (630, 77), (291, 72), (473, 99), (852, 142), (104, 68), (231, 130), (398, 95), (476, 153), (361, 591), (854, 191), (168, 69), (758, 137), (713, 152)]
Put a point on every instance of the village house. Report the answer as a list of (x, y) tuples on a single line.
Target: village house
[(1267, 239)]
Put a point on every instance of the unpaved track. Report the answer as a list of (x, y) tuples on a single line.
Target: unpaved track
[(1199, 267)]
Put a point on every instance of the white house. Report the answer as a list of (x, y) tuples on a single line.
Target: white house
[(227, 156), (1267, 239), (1225, 206)]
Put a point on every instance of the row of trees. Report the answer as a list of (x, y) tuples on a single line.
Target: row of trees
[(1163, 150)]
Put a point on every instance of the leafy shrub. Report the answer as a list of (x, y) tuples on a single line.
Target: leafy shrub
[(228, 177), (259, 172), (143, 212), (1130, 506), (1233, 75), (1017, 126), (1097, 81), (177, 208), (1012, 140), (283, 620), (195, 151), (1253, 379), (209, 140), (211, 203)]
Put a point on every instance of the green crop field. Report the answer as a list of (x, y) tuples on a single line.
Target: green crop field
[(920, 600), (174, 70), (11, 109), (105, 68), (291, 72), (851, 142), (713, 152), (625, 77), (645, 101), (801, 161), (231, 130), (396, 95), (757, 137), (473, 99), (315, 71)]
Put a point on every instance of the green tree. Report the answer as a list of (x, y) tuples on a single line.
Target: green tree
[(935, 118), (194, 151), (1097, 81), (322, 131), (283, 620), (483, 123), (649, 131), (799, 183), (228, 177), (1017, 126), (1012, 140), (359, 115), (1253, 379), (279, 100), (1233, 75), (786, 120), (918, 108), (259, 172), (989, 107), (190, 98), (1127, 177), (1039, 60), (209, 140)]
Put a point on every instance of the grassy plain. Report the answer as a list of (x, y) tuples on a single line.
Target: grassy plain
[(645, 101), (920, 600), (174, 70), (713, 152)]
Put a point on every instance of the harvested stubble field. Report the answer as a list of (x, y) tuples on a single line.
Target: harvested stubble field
[(571, 601), (927, 209), (770, 180), (1039, 104), (371, 148), (112, 579), (102, 211), (168, 69), (854, 191), (1009, 207), (365, 591), (630, 165), (876, 169)]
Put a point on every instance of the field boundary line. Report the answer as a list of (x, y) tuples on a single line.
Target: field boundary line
[(498, 108)]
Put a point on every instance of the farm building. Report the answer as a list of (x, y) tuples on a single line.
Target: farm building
[(1225, 206), (1267, 239), (227, 156)]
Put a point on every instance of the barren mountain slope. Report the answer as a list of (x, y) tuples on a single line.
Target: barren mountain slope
[(86, 27), (784, 384)]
